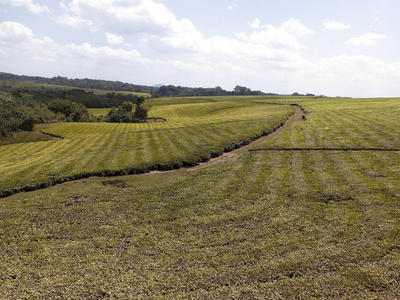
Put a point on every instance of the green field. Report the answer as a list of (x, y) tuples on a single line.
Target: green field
[(192, 133), (311, 212)]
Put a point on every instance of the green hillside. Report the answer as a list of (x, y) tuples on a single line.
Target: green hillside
[(192, 133), (310, 212)]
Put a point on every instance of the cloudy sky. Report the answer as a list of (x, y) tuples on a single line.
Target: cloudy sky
[(335, 48)]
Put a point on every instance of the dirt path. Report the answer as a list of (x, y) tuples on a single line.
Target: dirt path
[(234, 154)]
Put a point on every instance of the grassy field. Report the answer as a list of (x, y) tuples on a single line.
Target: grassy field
[(312, 212), (192, 133)]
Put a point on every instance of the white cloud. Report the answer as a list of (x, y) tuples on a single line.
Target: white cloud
[(284, 36), (18, 42), (129, 17), (366, 40), (104, 54), (28, 4), (256, 23), (295, 28), (15, 32), (291, 26), (335, 26), (114, 39), (158, 28), (232, 6), (75, 22)]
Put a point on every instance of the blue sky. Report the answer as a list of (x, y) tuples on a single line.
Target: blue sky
[(335, 48)]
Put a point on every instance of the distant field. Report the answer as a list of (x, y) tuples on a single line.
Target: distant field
[(97, 112), (192, 133), (30, 84), (312, 212), (155, 103)]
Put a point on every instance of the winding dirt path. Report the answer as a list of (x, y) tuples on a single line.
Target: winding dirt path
[(234, 154)]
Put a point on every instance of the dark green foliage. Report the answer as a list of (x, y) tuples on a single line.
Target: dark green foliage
[(119, 115), (179, 91), (123, 114), (13, 117), (127, 106), (43, 115), (82, 83), (141, 111), (27, 123), (72, 111), (31, 96)]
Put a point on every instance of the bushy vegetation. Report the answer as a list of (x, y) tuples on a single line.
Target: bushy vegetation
[(15, 116), (124, 114), (11, 118), (72, 111)]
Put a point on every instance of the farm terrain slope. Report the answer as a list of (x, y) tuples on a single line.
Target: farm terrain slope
[(312, 213), (192, 134)]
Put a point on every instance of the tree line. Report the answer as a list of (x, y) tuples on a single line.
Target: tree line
[(79, 83), (155, 91), (159, 91), (179, 91), (87, 99)]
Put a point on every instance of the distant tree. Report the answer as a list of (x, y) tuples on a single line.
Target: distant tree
[(124, 114), (219, 91), (297, 94), (140, 111), (74, 112), (127, 106), (242, 90), (113, 116)]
